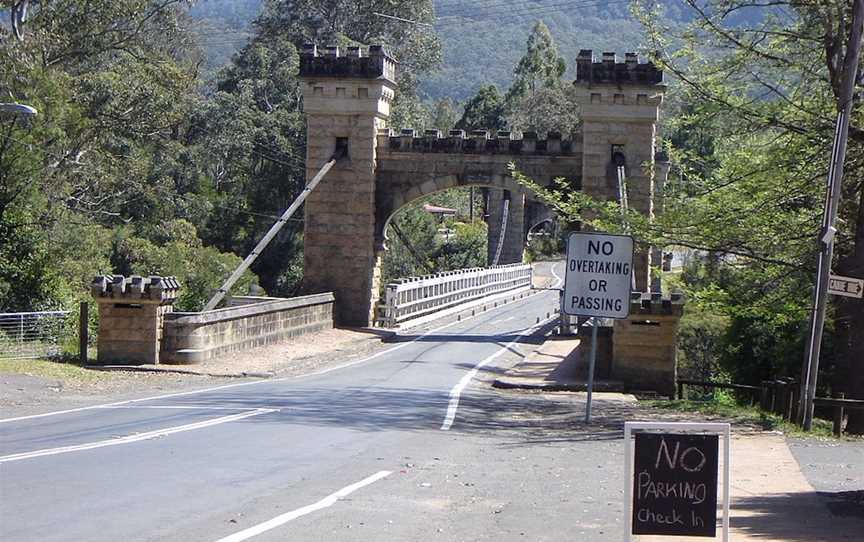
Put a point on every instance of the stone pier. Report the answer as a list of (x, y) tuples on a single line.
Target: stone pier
[(132, 317), (514, 238)]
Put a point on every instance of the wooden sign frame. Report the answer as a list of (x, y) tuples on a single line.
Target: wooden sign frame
[(721, 429)]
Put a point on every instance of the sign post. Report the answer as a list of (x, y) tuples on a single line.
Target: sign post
[(671, 479), (597, 284)]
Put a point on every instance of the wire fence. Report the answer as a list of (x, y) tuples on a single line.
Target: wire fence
[(26, 335)]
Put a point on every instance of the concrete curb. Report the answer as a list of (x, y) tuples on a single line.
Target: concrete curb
[(140, 369)]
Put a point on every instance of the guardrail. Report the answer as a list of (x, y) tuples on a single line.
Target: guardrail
[(31, 334), (413, 298), (781, 397)]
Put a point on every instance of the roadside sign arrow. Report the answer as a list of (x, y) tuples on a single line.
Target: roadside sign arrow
[(846, 286)]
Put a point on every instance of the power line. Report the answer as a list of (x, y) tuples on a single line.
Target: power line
[(512, 15)]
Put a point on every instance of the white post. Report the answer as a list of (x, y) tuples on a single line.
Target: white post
[(628, 481), (727, 481), (591, 361)]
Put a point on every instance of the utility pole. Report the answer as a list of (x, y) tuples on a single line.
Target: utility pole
[(810, 371)]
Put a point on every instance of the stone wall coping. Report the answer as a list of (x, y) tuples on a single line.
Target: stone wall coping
[(135, 289), (244, 311)]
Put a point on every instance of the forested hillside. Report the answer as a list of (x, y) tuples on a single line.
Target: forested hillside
[(481, 40)]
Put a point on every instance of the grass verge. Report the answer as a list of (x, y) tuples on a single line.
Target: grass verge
[(45, 368), (767, 421)]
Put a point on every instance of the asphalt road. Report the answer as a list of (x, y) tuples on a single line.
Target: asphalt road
[(406, 445)]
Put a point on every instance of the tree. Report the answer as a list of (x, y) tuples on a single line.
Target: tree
[(444, 115), (111, 81), (781, 77), (485, 111), (249, 140), (540, 67), (538, 100), (546, 110)]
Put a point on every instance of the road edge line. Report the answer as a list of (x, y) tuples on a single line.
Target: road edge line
[(326, 502)]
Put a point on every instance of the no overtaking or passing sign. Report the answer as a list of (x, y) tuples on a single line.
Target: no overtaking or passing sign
[(599, 271)]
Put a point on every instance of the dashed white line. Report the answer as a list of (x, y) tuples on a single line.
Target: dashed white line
[(326, 502), (134, 438)]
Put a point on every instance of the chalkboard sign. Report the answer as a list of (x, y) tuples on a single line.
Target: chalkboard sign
[(675, 484)]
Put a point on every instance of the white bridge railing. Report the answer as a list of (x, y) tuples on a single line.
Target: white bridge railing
[(416, 297)]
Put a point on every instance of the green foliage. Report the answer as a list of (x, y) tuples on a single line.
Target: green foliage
[(544, 247), (466, 247), (549, 109), (435, 244), (540, 67), (200, 269), (484, 111), (444, 115), (482, 43), (749, 133)]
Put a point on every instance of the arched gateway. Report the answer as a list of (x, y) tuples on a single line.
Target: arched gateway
[(347, 100)]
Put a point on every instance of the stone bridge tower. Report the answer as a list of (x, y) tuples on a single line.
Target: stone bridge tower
[(346, 98), (620, 108)]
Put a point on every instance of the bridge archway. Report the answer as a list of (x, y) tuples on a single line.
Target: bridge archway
[(499, 187)]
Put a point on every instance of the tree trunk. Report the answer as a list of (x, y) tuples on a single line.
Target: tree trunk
[(850, 327)]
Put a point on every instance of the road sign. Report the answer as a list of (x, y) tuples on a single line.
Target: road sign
[(845, 286), (599, 271), (671, 479)]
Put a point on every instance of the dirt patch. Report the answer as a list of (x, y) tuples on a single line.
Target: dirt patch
[(33, 386)]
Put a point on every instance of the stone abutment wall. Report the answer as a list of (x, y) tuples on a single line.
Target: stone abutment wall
[(137, 324)]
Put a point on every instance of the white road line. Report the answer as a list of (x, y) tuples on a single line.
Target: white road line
[(239, 384), (133, 438), (217, 388), (557, 277), (181, 407), (326, 502), (456, 392)]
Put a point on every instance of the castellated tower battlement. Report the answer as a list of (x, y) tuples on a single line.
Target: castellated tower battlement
[(373, 62)]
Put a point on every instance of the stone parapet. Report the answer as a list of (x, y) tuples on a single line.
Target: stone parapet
[(609, 71), (644, 346), (195, 337)]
